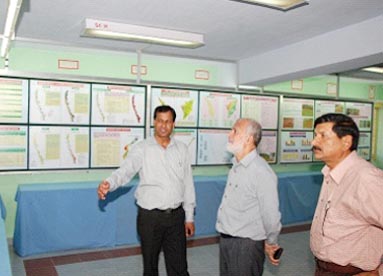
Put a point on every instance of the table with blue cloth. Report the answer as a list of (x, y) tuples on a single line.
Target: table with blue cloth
[(67, 216), (5, 263)]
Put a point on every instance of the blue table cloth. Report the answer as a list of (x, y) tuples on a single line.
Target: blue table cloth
[(68, 216), (5, 263)]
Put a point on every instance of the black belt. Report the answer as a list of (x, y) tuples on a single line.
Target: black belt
[(226, 236), (167, 211), (331, 267)]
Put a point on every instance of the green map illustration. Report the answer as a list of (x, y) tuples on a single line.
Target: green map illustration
[(231, 107), (187, 108)]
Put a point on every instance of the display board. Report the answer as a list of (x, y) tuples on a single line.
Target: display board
[(118, 105), (296, 146), (13, 147), (218, 110), (58, 102), (184, 102), (51, 124), (361, 113), (111, 145), (212, 147), (268, 146), (189, 138), (364, 147), (263, 109), (322, 107), (297, 114), (58, 147), (13, 100)]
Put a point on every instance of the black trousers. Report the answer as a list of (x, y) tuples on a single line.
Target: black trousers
[(163, 230), (241, 256)]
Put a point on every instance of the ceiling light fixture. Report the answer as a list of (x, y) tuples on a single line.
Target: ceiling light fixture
[(10, 24), (113, 30), (374, 69), (283, 5)]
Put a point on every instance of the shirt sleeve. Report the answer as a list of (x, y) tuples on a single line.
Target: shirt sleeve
[(128, 169), (370, 190), (267, 192), (189, 194)]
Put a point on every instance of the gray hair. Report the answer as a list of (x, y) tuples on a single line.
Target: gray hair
[(254, 129)]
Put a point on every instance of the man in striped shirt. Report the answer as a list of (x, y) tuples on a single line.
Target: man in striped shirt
[(347, 228)]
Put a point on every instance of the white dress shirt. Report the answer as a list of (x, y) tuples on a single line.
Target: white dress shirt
[(166, 179), (250, 204)]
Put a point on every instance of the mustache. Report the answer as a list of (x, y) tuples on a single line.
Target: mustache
[(315, 148)]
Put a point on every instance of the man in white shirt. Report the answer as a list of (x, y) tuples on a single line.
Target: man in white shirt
[(248, 217), (165, 194)]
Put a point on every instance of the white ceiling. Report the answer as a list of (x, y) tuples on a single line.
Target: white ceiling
[(233, 31)]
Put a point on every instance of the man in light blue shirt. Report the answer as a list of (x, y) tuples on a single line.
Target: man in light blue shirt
[(165, 194), (248, 217)]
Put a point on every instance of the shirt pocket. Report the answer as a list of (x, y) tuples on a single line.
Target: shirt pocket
[(340, 223)]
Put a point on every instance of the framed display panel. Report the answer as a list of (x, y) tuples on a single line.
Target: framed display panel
[(188, 136), (297, 114), (263, 109), (218, 110), (211, 147), (58, 147), (268, 146), (111, 145), (323, 107), (184, 102), (118, 105), (13, 100), (296, 147), (361, 113), (13, 147), (364, 147), (59, 102)]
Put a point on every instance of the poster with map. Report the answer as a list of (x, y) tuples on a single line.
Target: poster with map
[(189, 138), (263, 109), (13, 100), (296, 146), (184, 102), (118, 105), (268, 146), (218, 110), (361, 113), (57, 102), (297, 113), (324, 107), (58, 147), (364, 145), (13, 147), (211, 148), (111, 145)]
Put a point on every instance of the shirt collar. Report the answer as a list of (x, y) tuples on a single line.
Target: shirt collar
[(341, 169), (245, 161), (153, 141)]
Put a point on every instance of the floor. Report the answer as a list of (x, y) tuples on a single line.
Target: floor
[(296, 260)]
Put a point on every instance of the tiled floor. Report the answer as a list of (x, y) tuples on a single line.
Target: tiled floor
[(297, 260)]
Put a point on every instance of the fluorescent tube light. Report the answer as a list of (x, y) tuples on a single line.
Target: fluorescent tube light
[(113, 30), (283, 5), (374, 69), (10, 24)]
